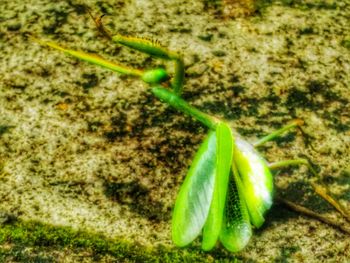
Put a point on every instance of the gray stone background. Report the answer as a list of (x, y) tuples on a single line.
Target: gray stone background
[(89, 149)]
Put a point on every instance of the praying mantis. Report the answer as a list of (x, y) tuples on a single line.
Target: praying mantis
[(229, 186)]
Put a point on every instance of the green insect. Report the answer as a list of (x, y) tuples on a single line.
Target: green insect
[(229, 186)]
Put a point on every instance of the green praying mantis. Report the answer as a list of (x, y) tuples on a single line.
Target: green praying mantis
[(229, 186)]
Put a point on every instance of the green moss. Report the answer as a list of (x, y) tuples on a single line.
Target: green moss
[(22, 254), (18, 235)]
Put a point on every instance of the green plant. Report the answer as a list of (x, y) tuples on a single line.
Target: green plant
[(229, 186)]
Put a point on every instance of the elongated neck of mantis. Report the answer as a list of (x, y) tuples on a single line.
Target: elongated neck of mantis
[(178, 103)]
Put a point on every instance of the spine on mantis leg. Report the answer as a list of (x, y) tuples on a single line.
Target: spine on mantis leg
[(146, 46), (178, 103)]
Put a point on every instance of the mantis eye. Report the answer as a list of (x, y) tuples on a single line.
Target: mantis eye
[(155, 76)]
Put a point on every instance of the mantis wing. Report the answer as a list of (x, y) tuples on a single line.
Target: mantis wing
[(195, 195), (257, 181), (236, 229), (224, 155)]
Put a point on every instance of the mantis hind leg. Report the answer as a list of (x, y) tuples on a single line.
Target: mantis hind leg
[(319, 189), (293, 124)]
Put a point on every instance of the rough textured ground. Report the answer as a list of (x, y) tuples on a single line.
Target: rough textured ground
[(85, 149)]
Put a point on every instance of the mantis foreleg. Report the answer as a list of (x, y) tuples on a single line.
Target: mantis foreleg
[(94, 59), (154, 49)]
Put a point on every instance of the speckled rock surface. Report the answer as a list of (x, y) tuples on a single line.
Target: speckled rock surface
[(86, 148)]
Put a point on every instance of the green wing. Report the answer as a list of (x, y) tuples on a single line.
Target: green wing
[(195, 195), (224, 155), (257, 181), (236, 229)]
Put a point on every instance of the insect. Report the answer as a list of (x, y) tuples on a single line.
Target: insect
[(229, 186)]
